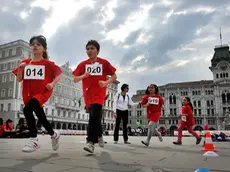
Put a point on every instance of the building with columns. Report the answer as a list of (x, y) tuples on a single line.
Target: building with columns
[(65, 109), (210, 98)]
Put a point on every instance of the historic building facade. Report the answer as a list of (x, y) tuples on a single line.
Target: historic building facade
[(210, 98), (65, 109)]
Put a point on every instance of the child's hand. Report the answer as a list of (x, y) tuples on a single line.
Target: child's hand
[(22, 65), (50, 86)]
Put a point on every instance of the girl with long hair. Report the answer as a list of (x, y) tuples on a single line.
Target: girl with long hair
[(187, 120), (38, 76)]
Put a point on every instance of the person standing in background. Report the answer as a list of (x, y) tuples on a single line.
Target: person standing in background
[(121, 104)]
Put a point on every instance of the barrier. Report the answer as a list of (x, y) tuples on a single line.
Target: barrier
[(186, 133)]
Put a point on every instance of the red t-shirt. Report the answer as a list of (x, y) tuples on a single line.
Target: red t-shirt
[(92, 92), (4, 128), (36, 88), (154, 109), (190, 118)]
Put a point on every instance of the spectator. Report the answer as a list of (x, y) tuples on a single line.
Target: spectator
[(7, 129)]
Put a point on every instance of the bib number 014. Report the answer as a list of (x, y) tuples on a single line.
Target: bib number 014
[(36, 72)]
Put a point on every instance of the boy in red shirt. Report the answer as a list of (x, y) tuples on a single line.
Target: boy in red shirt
[(93, 72), (187, 119), (38, 76), (154, 103)]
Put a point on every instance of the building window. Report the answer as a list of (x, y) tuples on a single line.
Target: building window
[(5, 66), (0, 54), (21, 107), (10, 92), (4, 78), (12, 65), (59, 113), (9, 106), (6, 53), (3, 92), (11, 77), (46, 111), (13, 51), (217, 75), (2, 107)]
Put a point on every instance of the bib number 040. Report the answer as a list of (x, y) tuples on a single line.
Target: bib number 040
[(36, 72)]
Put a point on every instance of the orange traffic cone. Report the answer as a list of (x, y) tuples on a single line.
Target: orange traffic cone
[(209, 148)]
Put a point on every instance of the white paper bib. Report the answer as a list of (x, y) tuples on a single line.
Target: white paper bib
[(36, 72)]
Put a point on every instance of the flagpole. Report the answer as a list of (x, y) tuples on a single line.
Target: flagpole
[(220, 37)]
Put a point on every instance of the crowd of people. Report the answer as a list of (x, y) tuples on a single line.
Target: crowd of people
[(39, 75)]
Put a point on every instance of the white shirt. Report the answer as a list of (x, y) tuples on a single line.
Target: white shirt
[(122, 103)]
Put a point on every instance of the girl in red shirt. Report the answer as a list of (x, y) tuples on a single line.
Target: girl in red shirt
[(6, 128), (154, 103), (38, 76), (187, 120), (94, 72)]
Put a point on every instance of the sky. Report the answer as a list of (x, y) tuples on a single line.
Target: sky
[(149, 41)]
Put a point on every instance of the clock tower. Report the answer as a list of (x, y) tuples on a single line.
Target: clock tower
[(220, 64)]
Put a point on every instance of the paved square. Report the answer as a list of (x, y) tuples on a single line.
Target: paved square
[(158, 157)]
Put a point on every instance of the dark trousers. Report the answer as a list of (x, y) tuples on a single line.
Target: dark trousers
[(34, 106), (124, 116), (94, 129)]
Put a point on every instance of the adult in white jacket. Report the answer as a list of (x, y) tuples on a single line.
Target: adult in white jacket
[(122, 101)]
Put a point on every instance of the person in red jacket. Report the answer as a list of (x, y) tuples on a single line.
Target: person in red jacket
[(154, 103), (187, 120), (38, 76), (94, 72)]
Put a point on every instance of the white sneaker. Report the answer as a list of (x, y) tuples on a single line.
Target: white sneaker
[(101, 142), (55, 141), (31, 145), (160, 138), (89, 147)]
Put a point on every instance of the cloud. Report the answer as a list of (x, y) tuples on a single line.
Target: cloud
[(149, 41)]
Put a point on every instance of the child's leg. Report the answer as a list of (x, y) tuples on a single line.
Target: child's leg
[(46, 124), (156, 131), (150, 131), (31, 122), (180, 129), (198, 138)]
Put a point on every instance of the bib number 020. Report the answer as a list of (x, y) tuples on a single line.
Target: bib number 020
[(36, 72), (94, 69)]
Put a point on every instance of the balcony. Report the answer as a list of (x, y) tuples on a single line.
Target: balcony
[(67, 107)]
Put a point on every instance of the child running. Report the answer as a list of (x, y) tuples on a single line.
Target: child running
[(93, 72), (187, 120), (154, 103), (38, 76)]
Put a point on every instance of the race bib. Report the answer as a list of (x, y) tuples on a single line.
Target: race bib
[(94, 69), (153, 100), (183, 118), (34, 72)]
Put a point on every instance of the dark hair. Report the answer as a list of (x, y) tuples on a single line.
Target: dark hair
[(7, 122), (189, 102), (156, 89), (42, 40), (124, 86), (94, 43)]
